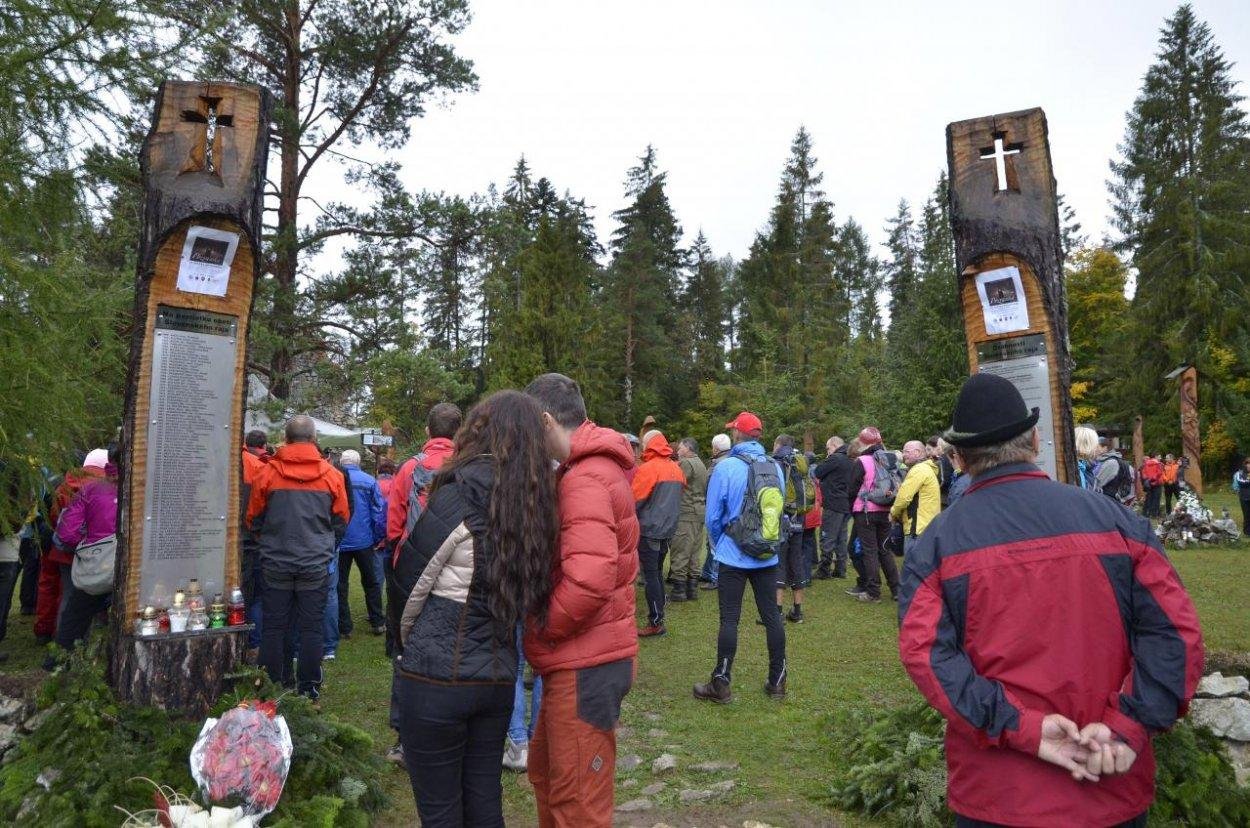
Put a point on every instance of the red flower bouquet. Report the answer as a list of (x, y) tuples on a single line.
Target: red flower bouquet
[(242, 759)]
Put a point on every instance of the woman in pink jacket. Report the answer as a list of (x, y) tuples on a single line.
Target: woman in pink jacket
[(90, 517)]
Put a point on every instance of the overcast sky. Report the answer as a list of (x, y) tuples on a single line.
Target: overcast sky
[(720, 88)]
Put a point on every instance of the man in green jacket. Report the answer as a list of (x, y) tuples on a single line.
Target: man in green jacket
[(688, 541)]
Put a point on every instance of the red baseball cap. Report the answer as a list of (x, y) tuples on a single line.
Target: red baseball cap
[(747, 423)]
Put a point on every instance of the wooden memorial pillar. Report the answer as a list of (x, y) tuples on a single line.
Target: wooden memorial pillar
[(203, 166), (1004, 214), (1191, 442), (1139, 454)]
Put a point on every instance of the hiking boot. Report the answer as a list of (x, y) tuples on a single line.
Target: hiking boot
[(775, 691), (516, 756), (823, 574), (794, 616), (43, 640), (652, 630), (692, 590), (716, 690), (380, 629), (839, 575), (865, 598), (396, 754), (345, 634), (678, 595), (708, 585), (856, 591)]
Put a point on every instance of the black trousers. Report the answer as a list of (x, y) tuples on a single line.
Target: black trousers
[(833, 541), (1245, 516), (651, 553), (285, 608), (730, 587), (78, 610), (1170, 491), (965, 822), (453, 738), (370, 578), (1153, 495), (872, 529)]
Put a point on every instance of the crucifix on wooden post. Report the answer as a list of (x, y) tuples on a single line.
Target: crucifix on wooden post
[(213, 112), (1001, 152), (1006, 226), (203, 166)]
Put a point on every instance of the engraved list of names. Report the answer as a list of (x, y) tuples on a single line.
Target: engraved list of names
[(190, 453)]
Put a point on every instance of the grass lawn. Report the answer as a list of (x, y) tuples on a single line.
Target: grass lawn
[(844, 655)]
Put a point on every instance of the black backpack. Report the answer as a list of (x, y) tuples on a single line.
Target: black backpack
[(1121, 486)]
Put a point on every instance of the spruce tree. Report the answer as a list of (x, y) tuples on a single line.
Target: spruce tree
[(1180, 189), (927, 359), (641, 354), (705, 305)]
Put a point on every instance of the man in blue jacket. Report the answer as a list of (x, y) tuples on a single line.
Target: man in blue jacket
[(725, 493), (365, 531)]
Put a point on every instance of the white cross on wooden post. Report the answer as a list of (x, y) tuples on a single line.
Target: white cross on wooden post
[(999, 153)]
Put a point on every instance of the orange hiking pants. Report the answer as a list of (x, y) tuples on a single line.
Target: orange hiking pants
[(572, 759)]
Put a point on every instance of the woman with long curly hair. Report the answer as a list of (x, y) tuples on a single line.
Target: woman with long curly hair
[(477, 563)]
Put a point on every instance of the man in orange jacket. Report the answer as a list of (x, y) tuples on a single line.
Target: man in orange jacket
[(298, 510), (585, 652), (657, 489)]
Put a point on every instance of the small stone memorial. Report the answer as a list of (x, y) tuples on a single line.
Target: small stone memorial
[(1004, 214), (203, 166)]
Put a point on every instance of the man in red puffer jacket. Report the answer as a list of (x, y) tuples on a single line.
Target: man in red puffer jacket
[(585, 652)]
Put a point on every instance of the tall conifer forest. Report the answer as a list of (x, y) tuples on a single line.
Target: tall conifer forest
[(374, 312)]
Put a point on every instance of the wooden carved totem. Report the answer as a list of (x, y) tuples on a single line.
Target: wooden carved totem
[(1004, 215), (203, 166), (1191, 443)]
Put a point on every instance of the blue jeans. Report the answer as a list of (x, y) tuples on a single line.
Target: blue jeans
[(331, 619), (518, 731), (253, 611), (710, 568)]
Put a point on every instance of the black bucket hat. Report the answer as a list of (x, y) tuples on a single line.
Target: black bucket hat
[(989, 411)]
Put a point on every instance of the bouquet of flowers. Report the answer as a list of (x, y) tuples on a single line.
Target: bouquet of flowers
[(242, 759)]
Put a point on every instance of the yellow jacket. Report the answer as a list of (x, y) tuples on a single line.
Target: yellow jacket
[(921, 485)]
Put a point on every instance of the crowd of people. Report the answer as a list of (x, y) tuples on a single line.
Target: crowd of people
[(519, 532)]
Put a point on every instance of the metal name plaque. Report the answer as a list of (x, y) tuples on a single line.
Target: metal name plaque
[(1023, 360), (190, 453)]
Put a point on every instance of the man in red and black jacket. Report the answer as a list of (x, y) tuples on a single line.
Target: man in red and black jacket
[(1046, 625)]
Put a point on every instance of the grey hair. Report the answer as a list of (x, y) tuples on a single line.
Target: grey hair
[(301, 429), (691, 444), (980, 459)]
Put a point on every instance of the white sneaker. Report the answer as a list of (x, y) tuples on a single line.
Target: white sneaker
[(328, 656), (516, 757)]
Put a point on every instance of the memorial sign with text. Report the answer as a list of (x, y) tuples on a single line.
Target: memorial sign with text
[(203, 166), (1004, 215)]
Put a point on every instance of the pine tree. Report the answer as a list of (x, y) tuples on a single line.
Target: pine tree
[(1180, 189)]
